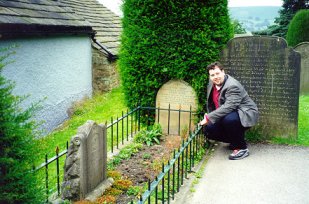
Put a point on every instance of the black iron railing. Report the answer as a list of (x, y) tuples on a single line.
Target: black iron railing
[(169, 181), (129, 124), (119, 130)]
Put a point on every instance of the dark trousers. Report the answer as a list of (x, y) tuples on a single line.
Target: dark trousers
[(228, 130)]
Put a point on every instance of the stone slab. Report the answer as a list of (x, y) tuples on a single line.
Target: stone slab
[(172, 98), (270, 72)]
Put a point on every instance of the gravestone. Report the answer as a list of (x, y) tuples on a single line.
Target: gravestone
[(303, 49), (85, 165), (178, 97), (270, 72)]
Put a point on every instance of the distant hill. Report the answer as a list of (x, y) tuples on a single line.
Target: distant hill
[(255, 18)]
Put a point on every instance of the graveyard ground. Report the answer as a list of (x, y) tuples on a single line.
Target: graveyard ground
[(147, 163), (131, 175)]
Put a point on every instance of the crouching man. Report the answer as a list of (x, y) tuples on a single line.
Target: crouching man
[(230, 111)]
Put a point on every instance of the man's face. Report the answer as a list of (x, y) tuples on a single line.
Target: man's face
[(216, 76)]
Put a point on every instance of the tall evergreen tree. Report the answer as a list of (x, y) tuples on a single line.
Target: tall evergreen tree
[(17, 142), (290, 7), (298, 28), (170, 39)]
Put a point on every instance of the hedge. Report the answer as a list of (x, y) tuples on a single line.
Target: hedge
[(170, 39)]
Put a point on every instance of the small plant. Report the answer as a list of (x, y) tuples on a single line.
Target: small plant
[(149, 137), (124, 153), (129, 150), (106, 199), (112, 191), (122, 184), (79, 202), (68, 202), (111, 164), (146, 156), (184, 132), (116, 175), (134, 190), (156, 164)]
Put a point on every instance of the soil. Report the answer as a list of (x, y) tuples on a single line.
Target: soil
[(146, 164)]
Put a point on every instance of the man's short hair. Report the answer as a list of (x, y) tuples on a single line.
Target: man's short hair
[(213, 65)]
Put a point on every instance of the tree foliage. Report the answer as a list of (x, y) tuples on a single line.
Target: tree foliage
[(17, 153), (280, 28), (170, 39), (299, 28), (238, 27)]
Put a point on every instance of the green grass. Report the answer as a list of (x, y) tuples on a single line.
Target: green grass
[(100, 108), (303, 125)]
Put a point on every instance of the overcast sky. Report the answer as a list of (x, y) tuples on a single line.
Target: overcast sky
[(114, 5), (239, 3)]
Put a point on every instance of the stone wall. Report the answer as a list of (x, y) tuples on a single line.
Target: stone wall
[(104, 73)]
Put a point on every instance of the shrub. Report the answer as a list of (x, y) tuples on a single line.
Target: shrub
[(173, 39), (18, 183), (298, 28)]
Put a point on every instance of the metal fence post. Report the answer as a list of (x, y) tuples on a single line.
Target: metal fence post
[(57, 164)]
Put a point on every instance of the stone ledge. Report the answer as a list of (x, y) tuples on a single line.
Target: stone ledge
[(98, 191)]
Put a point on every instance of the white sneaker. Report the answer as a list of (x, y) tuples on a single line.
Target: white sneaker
[(239, 154)]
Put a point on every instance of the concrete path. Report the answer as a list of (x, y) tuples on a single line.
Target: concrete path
[(272, 174)]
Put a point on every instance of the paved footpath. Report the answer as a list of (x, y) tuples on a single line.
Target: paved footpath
[(272, 174)]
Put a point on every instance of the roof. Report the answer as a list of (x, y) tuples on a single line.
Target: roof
[(106, 24), (37, 17), (40, 17)]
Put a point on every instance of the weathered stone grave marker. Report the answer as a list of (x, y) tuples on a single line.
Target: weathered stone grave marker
[(175, 94), (270, 72), (303, 49), (85, 165)]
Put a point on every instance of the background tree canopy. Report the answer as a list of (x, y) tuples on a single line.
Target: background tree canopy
[(298, 28), (238, 27), (170, 39), (290, 7)]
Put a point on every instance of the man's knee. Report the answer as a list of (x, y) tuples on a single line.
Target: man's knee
[(231, 119)]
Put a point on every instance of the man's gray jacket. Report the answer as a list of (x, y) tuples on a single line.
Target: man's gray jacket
[(233, 97)]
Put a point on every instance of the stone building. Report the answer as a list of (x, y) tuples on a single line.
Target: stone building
[(65, 50), (105, 44)]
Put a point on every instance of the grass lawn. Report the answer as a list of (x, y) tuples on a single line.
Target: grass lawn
[(100, 108), (303, 125)]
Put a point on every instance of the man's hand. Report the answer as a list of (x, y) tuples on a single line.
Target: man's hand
[(204, 121)]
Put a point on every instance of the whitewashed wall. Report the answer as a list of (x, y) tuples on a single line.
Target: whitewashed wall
[(55, 68)]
